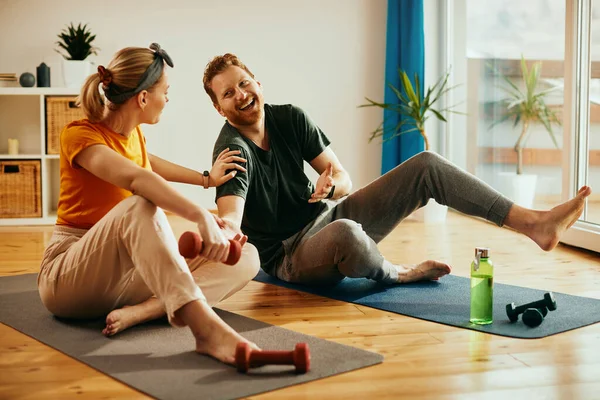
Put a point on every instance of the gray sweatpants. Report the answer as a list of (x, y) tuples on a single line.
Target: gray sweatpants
[(342, 240)]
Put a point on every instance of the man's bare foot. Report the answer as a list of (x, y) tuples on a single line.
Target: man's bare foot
[(213, 336), (551, 225), (427, 270), (128, 316)]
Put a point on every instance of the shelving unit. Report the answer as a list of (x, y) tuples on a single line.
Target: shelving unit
[(23, 117)]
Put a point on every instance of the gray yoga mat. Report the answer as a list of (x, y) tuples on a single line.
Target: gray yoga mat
[(447, 301), (158, 360)]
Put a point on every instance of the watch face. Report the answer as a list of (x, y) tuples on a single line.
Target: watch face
[(206, 173)]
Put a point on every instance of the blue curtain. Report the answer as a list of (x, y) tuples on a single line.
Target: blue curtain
[(405, 49)]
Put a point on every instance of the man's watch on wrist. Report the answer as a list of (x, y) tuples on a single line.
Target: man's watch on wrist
[(205, 176), (330, 194)]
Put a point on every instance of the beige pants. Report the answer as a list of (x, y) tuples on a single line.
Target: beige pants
[(127, 257)]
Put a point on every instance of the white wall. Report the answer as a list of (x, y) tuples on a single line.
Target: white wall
[(322, 55)]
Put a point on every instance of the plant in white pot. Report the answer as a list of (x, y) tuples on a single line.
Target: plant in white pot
[(77, 43), (526, 107), (416, 108)]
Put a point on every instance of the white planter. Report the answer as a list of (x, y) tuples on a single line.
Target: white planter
[(518, 188), (431, 213), (75, 72)]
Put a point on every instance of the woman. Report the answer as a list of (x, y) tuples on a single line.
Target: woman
[(113, 251)]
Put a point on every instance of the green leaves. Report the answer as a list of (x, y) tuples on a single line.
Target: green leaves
[(527, 106), (412, 104), (76, 42)]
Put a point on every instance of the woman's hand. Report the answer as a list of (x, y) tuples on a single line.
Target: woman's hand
[(215, 244), (231, 231), (225, 162)]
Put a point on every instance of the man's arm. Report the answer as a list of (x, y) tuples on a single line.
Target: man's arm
[(231, 210), (341, 179)]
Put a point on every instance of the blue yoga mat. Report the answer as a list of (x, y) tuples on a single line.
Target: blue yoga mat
[(447, 301)]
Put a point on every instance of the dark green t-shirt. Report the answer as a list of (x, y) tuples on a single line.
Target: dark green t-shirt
[(275, 187)]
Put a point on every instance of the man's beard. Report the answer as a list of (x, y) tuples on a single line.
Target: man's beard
[(241, 118)]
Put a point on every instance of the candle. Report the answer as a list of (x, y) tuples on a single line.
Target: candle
[(13, 146)]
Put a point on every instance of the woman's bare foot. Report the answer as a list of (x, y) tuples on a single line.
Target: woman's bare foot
[(427, 270), (128, 316), (545, 228), (213, 336), (221, 343)]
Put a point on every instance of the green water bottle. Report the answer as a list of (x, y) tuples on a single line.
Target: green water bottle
[(482, 287)]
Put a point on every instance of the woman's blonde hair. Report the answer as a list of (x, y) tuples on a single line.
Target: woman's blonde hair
[(125, 70)]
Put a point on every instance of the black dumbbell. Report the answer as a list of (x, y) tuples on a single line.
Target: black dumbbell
[(533, 317), (548, 302)]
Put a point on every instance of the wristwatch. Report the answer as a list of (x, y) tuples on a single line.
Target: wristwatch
[(330, 194), (206, 174)]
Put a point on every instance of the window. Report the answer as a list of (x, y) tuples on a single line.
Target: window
[(531, 162)]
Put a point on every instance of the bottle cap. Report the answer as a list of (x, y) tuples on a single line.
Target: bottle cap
[(482, 252)]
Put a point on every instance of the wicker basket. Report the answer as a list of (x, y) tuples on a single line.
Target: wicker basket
[(20, 189), (59, 112)]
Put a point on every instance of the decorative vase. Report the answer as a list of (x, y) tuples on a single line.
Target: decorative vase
[(27, 79), (520, 188), (43, 75), (75, 72)]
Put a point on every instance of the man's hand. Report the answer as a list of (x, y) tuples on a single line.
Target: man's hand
[(324, 185), (231, 231)]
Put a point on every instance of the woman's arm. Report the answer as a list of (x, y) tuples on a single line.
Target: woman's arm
[(174, 172), (112, 167), (218, 174)]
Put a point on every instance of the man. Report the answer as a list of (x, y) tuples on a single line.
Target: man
[(319, 234)]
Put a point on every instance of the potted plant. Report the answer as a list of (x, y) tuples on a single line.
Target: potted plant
[(416, 108), (77, 43), (526, 107)]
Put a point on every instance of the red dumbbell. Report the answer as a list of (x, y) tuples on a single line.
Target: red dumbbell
[(246, 357), (190, 245)]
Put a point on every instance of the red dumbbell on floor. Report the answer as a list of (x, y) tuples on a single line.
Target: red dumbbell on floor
[(246, 357), (190, 245)]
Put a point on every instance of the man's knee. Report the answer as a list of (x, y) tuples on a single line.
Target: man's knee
[(427, 159), (349, 234)]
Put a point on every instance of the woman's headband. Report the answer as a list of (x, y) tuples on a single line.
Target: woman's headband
[(116, 95)]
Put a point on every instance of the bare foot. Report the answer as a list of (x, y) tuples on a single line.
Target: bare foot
[(128, 316), (119, 320), (547, 231), (213, 336), (427, 270), (221, 343)]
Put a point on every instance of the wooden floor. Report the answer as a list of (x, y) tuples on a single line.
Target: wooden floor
[(423, 360)]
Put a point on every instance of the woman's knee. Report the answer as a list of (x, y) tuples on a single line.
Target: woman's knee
[(249, 263), (133, 206), (140, 205), (136, 210)]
